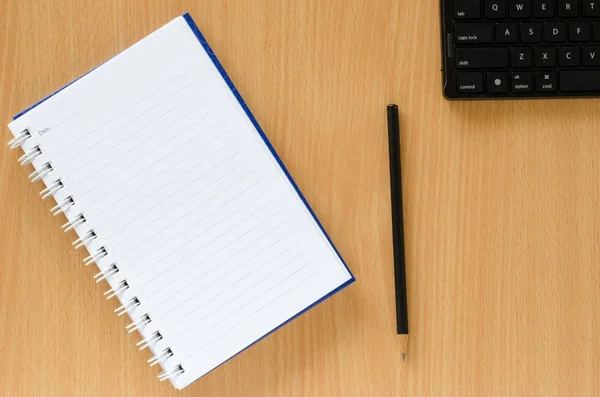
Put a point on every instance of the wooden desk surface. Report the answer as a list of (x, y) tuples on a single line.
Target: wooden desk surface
[(502, 211)]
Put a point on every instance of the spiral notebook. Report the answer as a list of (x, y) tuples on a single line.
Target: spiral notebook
[(181, 201)]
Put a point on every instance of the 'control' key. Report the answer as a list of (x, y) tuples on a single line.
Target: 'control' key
[(469, 82)]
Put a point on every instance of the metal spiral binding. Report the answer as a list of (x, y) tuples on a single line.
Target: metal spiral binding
[(126, 307), (96, 256), (19, 139), (135, 325), (165, 354), (41, 172), (178, 370), (81, 241), (104, 274), (144, 343), (121, 287), (52, 189), (63, 206), (30, 155), (72, 224)]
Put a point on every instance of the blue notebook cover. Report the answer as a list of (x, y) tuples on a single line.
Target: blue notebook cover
[(244, 106)]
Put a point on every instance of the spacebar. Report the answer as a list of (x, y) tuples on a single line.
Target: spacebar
[(586, 80)]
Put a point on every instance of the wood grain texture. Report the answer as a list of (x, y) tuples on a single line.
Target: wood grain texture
[(502, 211)]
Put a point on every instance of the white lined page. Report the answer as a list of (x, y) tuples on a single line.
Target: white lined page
[(186, 198)]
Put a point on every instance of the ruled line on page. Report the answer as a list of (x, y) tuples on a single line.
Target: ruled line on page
[(172, 208), (83, 151), (172, 194), (101, 155), (197, 336), (65, 120), (145, 170), (220, 293), (238, 224), (251, 315), (199, 207), (218, 266), (251, 244), (124, 255), (147, 153), (121, 113), (210, 256)]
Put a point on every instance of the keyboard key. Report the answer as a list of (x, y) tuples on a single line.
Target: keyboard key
[(520, 57), (596, 31), (473, 33), (521, 82), (568, 56), (497, 82), (494, 9), (466, 9), (581, 80), (579, 31), (543, 8), (481, 58), (568, 8), (531, 32), (554, 32), (590, 55), (545, 81), (469, 82), (507, 32), (544, 56), (519, 8), (591, 8), (523, 48)]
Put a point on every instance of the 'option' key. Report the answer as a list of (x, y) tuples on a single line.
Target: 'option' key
[(521, 82)]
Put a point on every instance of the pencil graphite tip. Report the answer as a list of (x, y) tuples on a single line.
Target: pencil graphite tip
[(403, 356)]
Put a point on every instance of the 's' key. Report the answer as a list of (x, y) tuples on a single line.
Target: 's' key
[(468, 58), (467, 9)]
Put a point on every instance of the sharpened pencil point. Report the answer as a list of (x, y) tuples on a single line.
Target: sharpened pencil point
[(403, 356)]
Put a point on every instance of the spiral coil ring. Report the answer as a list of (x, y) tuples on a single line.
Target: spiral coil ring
[(106, 273), (19, 139), (63, 206), (41, 172)]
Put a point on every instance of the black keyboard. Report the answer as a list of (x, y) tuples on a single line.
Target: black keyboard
[(521, 48)]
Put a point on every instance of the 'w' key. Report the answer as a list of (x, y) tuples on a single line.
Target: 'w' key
[(519, 9)]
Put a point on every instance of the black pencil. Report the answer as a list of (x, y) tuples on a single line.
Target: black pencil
[(398, 225)]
